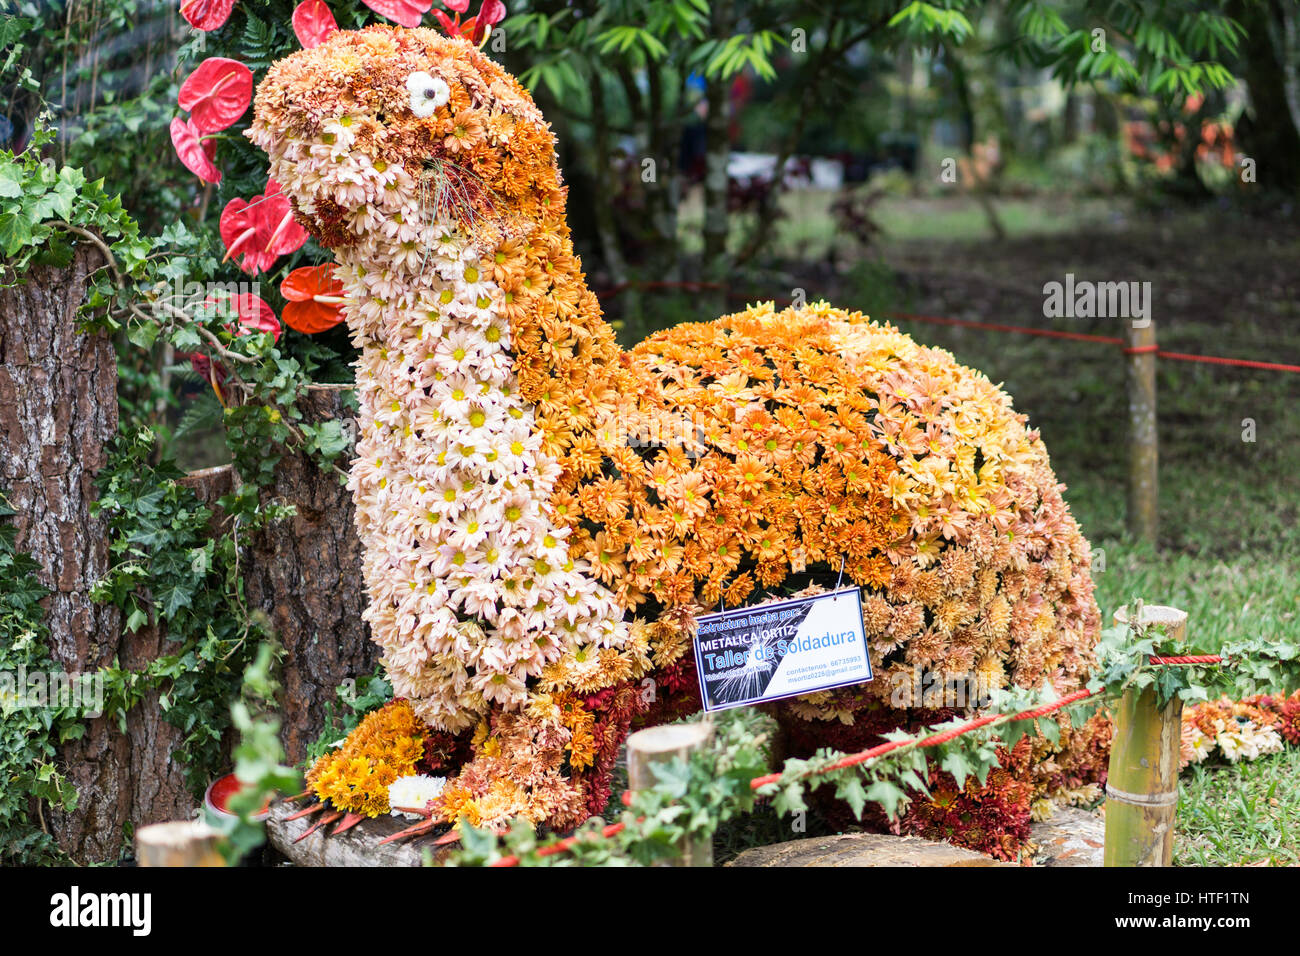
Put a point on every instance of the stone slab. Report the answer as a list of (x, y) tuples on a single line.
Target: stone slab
[(1072, 837), (862, 849)]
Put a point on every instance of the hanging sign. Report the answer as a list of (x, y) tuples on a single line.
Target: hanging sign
[(769, 651)]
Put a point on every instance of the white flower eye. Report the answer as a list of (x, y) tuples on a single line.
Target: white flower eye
[(427, 93)]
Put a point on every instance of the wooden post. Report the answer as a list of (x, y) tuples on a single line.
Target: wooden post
[(1143, 446), (659, 745), (1142, 785), (179, 843)]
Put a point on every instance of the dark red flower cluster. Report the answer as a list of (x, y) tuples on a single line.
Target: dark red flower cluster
[(992, 817), (614, 709), (1288, 724), (676, 693), (445, 753)]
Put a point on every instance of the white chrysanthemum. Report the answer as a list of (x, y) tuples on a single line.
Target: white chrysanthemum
[(1202, 745), (414, 791), (1234, 745), (1255, 741), (427, 93)]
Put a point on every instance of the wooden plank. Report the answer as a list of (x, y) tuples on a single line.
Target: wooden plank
[(359, 846)]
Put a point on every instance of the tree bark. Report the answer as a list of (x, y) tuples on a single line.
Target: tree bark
[(717, 154), (305, 572), (58, 411), (1268, 133)]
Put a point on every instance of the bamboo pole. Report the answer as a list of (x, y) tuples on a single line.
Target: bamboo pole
[(659, 745), (1142, 783), (1143, 445)]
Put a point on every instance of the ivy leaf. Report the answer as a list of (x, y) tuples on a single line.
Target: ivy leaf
[(852, 792), (172, 599), (1050, 730), (887, 795), (10, 183), (955, 763), (15, 233)]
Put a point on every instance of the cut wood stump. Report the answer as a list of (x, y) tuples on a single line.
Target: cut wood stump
[(178, 843)]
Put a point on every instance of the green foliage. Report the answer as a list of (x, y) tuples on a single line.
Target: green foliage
[(43, 207), (29, 736), (1255, 664), (357, 698), (169, 570), (1171, 49), (259, 757)]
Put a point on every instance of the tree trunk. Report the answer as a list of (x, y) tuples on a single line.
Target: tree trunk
[(717, 153), (305, 572), (1268, 133), (58, 410)]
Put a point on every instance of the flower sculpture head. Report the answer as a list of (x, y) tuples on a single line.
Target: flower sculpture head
[(405, 124)]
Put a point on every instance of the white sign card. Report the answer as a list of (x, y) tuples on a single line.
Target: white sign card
[(769, 651)]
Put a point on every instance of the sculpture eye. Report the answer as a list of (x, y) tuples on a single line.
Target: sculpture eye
[(427, 93)]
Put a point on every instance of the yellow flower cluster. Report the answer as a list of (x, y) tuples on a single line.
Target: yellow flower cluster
[(386, 745)]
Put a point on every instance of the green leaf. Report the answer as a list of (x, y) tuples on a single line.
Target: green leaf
[(15, 233)]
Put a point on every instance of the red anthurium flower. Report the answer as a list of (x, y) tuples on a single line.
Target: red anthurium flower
[(244, 234), (251, 313), (195, 153), (254, 316), (286, 234), (260, 231), (408, 13), (206, 14), (313, 23), (217, 93), (475, 28), (314, 298), (491, 13)]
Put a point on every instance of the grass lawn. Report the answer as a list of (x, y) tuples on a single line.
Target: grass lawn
[(1240, 814)]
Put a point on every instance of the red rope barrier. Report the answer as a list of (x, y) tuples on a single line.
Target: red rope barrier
[(1189, 659), (1240, 363), (998, 327), (935, 739), (994, 327)]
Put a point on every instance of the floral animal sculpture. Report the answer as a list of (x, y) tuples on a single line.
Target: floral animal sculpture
[(543, 513)]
